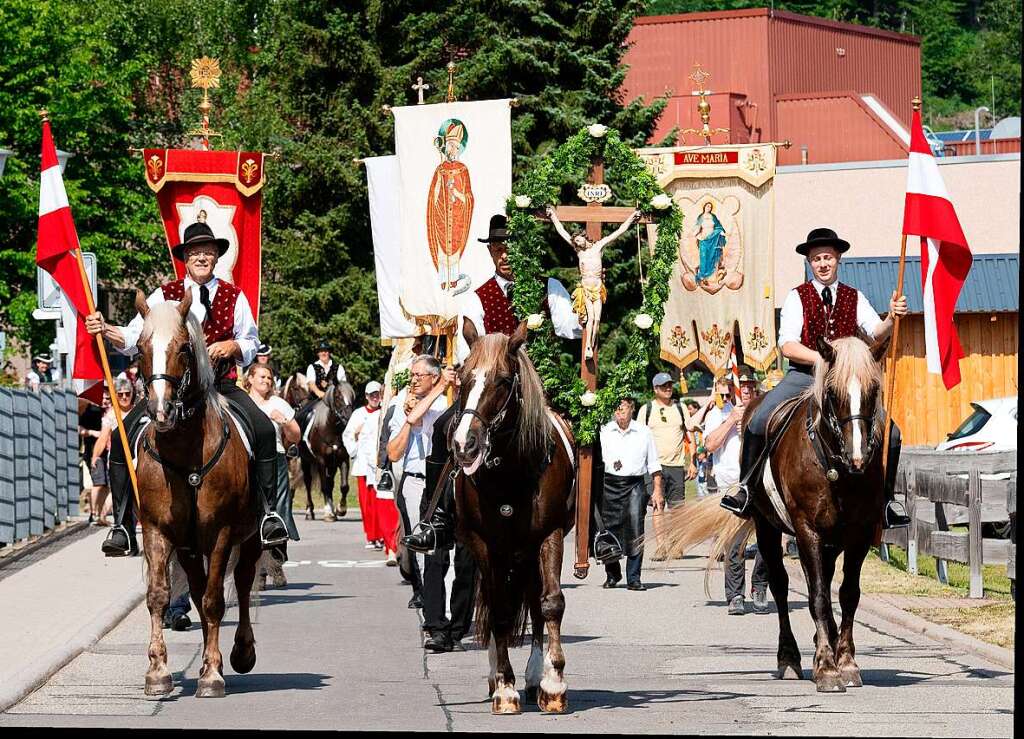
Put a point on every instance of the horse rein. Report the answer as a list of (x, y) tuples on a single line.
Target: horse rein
[(490, 427)]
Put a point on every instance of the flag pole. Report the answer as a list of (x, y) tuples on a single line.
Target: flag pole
[(91, 305), (894, 342)]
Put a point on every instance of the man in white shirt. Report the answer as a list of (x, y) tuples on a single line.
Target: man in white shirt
[(319, 373), (411, 428), (628, 451), (231, 337), (722, 438), (822, 308)]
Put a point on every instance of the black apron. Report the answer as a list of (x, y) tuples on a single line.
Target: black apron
[(623, 507)]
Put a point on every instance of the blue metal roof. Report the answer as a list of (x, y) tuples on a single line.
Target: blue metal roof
[(953, 136), (992, 284)]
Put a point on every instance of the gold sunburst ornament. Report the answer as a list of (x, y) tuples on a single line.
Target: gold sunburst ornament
[(205, 73)]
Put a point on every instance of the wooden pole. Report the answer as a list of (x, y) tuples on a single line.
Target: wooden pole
[(91, 305), (890, 370), (588, 373)]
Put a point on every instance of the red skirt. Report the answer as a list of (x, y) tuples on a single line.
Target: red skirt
[(368, 509), (387, 523)]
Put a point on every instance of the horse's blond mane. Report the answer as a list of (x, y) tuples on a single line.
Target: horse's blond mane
[(853, 360), (491, 350)]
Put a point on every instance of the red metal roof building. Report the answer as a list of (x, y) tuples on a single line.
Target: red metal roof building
[(843, 91)]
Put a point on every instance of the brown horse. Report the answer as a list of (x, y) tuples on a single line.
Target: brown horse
[(195, 493), (825, 476), (321, 451), (515, 502)]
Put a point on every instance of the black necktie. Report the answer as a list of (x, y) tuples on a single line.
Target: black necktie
[(204, 298), (826, 297), (509, 289)]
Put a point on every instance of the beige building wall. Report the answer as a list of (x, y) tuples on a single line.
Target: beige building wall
[(863, 203)]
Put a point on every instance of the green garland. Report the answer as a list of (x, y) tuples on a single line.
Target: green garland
[(632, 184)]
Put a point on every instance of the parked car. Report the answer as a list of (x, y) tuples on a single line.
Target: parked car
[(992, 426)]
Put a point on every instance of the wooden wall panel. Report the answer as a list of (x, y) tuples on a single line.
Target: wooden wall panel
[(923, 408)]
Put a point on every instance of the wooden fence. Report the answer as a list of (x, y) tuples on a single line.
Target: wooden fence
[(954, 488)]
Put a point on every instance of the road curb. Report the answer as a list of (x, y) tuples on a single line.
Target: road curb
[(917, 624), (43, 540), (25, 682)]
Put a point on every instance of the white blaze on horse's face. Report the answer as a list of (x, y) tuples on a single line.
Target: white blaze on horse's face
[(463, 445), (854, 391), (164, 323)]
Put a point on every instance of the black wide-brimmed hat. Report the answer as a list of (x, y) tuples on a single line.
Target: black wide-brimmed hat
[(263, 350), (199, 233), (498, 231), (43, 358), (822, 237), (324, 346)]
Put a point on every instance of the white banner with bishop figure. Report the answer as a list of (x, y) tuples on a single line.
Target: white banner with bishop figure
[(455, 172), (721, 284)]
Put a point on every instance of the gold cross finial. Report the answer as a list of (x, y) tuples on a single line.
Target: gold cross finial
[(451, 82), (699, 77)]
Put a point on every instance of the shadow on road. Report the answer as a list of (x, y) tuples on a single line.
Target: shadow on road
[(266, 682)]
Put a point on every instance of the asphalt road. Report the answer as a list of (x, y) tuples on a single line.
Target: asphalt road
[(338, 649)]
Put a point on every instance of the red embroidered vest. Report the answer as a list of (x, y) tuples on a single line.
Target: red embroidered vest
[(839, 324), (498, 315), (219, 324)]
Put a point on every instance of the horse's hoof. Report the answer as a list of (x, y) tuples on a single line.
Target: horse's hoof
[(789, 672), (329, 517), (851, 677), (212, 688), (159, 685), (505, 706), (310, 516), (831, 683), (243, 658), (553, 703)]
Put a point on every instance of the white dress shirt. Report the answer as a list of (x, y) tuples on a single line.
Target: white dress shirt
[(418, 449), (563, 318), (360, 438), (791, 320), (632, 447), (726, 457), (244, 331), (311, 373)]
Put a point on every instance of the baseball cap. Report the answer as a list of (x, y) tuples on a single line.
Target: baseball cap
[(372, 387), (660, 379)]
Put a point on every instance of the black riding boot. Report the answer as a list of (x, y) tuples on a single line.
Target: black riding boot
[(437, 532), (895, 515), (273, 532), (120, 542), (750, 472)]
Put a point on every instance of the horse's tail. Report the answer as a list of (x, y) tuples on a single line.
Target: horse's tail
[(506, 597), (694, 523)]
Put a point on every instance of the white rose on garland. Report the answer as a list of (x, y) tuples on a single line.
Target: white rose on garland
[(588, 399), (643, 321), (661, 202), (534, 321), (597, 130), (523, 201)]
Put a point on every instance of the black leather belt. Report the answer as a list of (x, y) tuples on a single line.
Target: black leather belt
[(418, 475)]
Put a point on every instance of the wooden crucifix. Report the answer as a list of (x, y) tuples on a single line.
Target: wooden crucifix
[(594, 215)]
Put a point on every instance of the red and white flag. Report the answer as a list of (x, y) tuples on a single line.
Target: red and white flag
[(945, 257), (57, 240)]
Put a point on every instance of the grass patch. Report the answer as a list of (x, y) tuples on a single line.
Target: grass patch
[(995, 582), (993, 623)]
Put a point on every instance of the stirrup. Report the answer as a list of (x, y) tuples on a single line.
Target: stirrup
[(417, 540), (894, 516), (277, 540), (112, 550), (733, 504), (614, 550)]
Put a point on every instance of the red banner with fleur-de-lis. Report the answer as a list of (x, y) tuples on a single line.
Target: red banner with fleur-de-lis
[(224, 188)]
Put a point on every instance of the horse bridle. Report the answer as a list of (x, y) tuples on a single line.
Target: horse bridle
[(835, 423), (181, 385), (491, 427)]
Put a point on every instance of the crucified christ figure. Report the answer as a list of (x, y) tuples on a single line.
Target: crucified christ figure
[(587, 298)]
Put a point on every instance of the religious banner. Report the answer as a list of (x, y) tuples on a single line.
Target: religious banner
[(386, 231), (222, 188), (455, 172), (721, 285)]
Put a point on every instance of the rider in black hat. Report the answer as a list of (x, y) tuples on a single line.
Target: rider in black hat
[(825, 308), (42, 372), (231, 337)]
